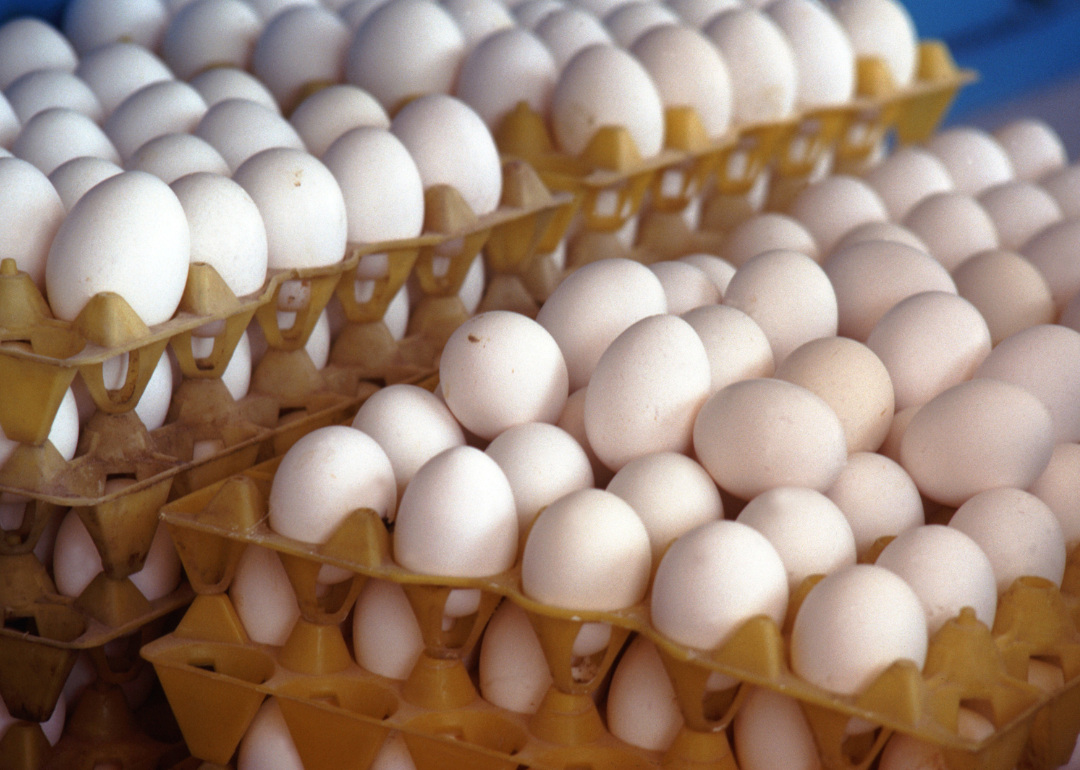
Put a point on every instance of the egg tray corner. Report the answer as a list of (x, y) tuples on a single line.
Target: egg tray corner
[(968, 664)]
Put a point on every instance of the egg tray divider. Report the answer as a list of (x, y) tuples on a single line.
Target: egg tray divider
[(967, 665)]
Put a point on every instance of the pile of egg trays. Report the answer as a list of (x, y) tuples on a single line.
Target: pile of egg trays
[(340, 715)]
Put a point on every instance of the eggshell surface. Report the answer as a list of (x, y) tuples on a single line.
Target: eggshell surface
[(878, 498), (31, 212)]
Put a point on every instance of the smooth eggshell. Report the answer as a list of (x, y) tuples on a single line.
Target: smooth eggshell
[(878, 498), (1020, 211), (477, 19), (457, 517), (906, 177), (766, 232), (976, 436), (210, 33), (757, 434), (830, 208), (569, 30), (587, 551), (28, 43), (328, 113), (219, 84), (881, 231), (386, 634), (824, 57), (320, 33), (514, 673), (30, 214), (240, 128), (771, 731), (1059, 488), (127, 235), (974, 158), (165, 107), (954, 226), (629, 21), (1053, 252), (263, 596), (267, 742), (74, 178), (58, 134), (237, 375), (572, 420), (1064, 184), (853, 625), (1033, 147), (1007, 289), (40, 89), (736, 346), (718, 270), (90, 24), (171, 156), (882, 29), (642, 708), (326, 475), (685, 286), (117, 70)]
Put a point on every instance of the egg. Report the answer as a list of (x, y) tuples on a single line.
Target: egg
[(824, 57), (40, 89), (606, 86), (218, 84), (210, 33), (128, 235), (788, 295), (457, 517), (642, 708), (386, 635), (340, 467), (375, 60), (974, 159), (771, 731), (514, 673), (529, 13), (832, 207), (394, 754), (58, 134), (73, 178), (697, 13), (1017, 531), (239, 129), (906, 177), (237, 375), (766, 232), (1033, 147), (1051, 251), (717, 269), (761, 64), (629, 21), (976, 436), (646, 391), (685, 286), (542, 462), (327, 114), (1063, 184), (477, 19), (63, 433), (171, 156), (757, 434), (853, 625), (1020, 210), (319, 32), (117, 70), (881, 231), (263, 596), (587, 551), (1057, 488), (877, 497), (954, 226), (30, 214), (153, 406), (882, 29), (947, 570), (572, 420), (9, 126), (411, 425), (27, 44), (500, 369), (505, 68), (736, 346), (568, 31), (89, 24), (712, 580), (267, 741)]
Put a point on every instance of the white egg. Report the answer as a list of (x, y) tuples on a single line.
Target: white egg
[(642, 708), (90, 24), (629, 21), (824, 57), (736, 346), (386, 634), (40, 89), (771, 731), (63, 433), (906, 177), (878, 498), (58, 134), (718, 269), (569, 30), (74, 178), (30, 214), (267, 742), (881, 231), (882, 29), (170, 106), (514, 673), (698, 13), (210, 33), (1052, 251), (1063, 185), (27, 44), (237, 375), (329, 112), (218, 84), (263, 596), (767, 232), (318, 31), (836, 205), (529, 13), (1007, 289), (478, 19), (685, 286), (153, 405), (171, 156), (241, 128), (9, 126), (974, 159), (117, 70), (1033, 147), (1020, 210), (1057, 487)]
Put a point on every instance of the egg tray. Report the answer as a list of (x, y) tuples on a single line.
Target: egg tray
[(967, 664), (612, 180)]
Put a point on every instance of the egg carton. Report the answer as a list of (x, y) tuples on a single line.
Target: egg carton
[(209, 660)]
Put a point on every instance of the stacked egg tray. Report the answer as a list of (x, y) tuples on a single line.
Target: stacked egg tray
[(340, 715), (44, 633)]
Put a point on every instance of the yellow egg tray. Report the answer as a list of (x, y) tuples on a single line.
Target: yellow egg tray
[(215, 678)]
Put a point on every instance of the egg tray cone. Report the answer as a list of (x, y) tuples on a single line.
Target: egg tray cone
[(968, 665)]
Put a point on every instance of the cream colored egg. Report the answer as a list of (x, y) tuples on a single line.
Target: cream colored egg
[(824, 57), (851, 379), (761, 64), (451, 145), (220, 83), (90, 24), (267, 741), (1033, 147), (668, 53), (685, 286), (74, 178), (853, 625), (1007, 289), (878, 498), (1018, 532), (642, 708), (384, 194), (974, 159), (301, 204), (712, 580), (240, 129), (457, 517), (505, 68), (1063, 184), (171, 156), (646, 391), (1058, 486), (836, 205), (479, 18), (881, 231), (736, 346), (411, 425), (1053, 252), (210, 33), (882, 29), (587, 551), (718, 270), (542, 462), (117, 70), (766, 232), (500, 369), (127, 235), (28, 43), (30, 214), (263, 596), (386, 634), (329, 112), (606, 86), (226, 228), (58, 134), (1020, 210), (947, 570), (630, 21), (757, 434), (435, 46), (976, 436), (317, 31), (38, 90), (788, 295), (570, 30), (341, 468), (593, 306), (906, 177), (771, 731), (954, 226), (514, 673), (929, 342)]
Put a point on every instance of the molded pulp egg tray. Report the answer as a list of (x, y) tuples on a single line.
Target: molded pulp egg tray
[(339, 715)]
